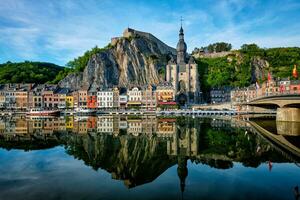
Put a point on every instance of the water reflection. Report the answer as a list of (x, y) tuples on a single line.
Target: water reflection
[(137, 150), (283, 135)]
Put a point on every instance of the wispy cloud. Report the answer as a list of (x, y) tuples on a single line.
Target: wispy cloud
[(57, 31)]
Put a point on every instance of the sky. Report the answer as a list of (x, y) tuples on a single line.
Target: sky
[(59, 30)]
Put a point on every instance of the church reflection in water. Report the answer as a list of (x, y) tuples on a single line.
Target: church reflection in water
[(137, 150)]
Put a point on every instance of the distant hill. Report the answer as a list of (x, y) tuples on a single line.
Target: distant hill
[(28, 72)]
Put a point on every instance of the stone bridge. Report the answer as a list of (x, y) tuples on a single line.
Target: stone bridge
[(276, 101), (287, 105)]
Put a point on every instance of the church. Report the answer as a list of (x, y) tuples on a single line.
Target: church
[(183, 74)]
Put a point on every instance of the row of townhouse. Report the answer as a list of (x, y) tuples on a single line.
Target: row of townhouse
[(269, 88), (27, 96), (100, 124), (147, 98)]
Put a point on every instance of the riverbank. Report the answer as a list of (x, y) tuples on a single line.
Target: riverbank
[(148, 112)]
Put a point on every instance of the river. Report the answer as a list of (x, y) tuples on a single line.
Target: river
[(148, 157)]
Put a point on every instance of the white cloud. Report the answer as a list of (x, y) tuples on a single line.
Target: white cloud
[(61, 30)]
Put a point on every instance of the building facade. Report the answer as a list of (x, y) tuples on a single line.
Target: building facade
[(134, 97), (148, 98), (220, 95), (123, 99), (21, 100), (116, 94), (165, 95), (92, 100), (105, 99)]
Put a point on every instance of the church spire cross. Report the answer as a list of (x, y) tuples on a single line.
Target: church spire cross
[(181, 29), (181, 21)]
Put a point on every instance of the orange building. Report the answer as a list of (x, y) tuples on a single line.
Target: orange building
[(92, 100), (92, 123)]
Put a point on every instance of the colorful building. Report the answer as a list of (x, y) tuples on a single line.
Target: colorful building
[(82, 98), (134, 98), (21, 100), (295, 87), (284, 86), (92, 100), (62, 95), (148, 98), (165, 95), (69, 101)]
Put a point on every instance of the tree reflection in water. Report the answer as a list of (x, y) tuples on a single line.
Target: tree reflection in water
[(138, 150)]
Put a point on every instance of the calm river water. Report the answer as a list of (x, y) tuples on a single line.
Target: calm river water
[(146, 157)]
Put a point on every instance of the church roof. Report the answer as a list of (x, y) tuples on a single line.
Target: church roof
[(191, 60)]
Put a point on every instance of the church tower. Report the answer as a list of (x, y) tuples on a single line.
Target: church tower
[(183, 74), (181, 48)]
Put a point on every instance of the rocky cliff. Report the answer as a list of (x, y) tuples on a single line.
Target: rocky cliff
[(134, 59), (259, 67)]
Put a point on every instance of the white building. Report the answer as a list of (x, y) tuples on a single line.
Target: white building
[(134, 97), (105, 125), (105, 99), (134, 127)]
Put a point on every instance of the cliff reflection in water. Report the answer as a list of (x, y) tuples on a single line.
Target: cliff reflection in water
[(137, 150)]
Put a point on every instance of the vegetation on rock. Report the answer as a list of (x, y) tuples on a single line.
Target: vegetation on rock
[(216, 47), (235, 69), (79, 63)]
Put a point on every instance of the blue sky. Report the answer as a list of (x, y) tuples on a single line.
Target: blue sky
[(60, 30)]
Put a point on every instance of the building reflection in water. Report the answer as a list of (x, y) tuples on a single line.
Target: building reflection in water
[(138, 149)]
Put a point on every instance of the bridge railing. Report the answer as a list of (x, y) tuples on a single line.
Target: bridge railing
[(248, 96)]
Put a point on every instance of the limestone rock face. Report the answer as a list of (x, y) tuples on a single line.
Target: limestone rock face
[(132, 60), (72, 80), (258, 68)]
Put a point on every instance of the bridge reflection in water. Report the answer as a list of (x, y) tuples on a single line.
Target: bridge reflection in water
[(286, 135), (139, 149)]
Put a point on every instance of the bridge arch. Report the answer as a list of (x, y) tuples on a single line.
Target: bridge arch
[(292, 105)]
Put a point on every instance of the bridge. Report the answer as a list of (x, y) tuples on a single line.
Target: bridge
[(276, 101), (287, 105)]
